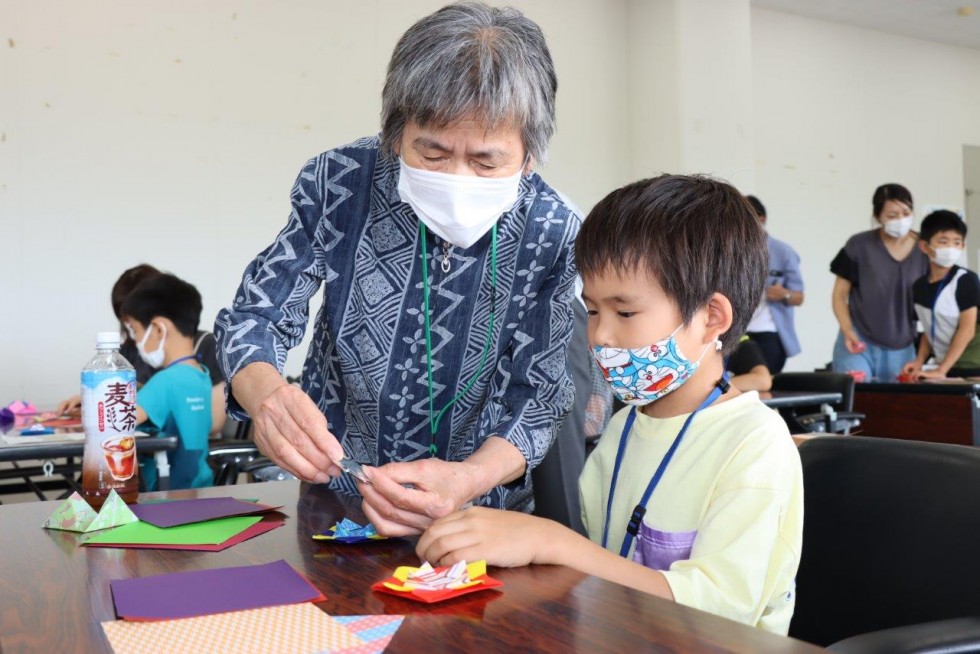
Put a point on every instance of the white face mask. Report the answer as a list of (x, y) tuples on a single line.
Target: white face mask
[(153, 359), (946, 257), (459, 208), (899, 227)]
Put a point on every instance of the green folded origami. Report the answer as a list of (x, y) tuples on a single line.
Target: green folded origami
[(75, 514)]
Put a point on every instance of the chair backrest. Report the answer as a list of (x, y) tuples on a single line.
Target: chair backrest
[(890, 536), (833, 382)]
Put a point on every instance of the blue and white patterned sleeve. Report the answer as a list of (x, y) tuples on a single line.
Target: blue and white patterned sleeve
[(271, 306), (532, 390)]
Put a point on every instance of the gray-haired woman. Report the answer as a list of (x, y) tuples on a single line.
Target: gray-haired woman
[(439, 353)]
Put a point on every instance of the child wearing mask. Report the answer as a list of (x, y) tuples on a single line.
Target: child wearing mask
[(694, 492), (161, 315), (946, 300)]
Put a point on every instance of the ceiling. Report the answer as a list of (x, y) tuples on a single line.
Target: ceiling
[(931, 20)]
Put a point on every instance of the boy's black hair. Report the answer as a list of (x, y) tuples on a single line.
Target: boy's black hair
[(695, 235), (887, 192), (941, 220), (760, 209), (127, 281), (165, 296)]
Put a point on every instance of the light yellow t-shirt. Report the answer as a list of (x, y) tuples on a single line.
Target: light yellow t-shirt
[(735, 486)]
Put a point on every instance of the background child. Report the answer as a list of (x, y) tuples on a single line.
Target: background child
[(946, 300), (673, 269), (161, 316), (204, 347)]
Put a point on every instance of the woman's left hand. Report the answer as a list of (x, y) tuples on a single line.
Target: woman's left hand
[(404, 498)]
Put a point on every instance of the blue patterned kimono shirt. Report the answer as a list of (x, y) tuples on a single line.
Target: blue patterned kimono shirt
[(366, 365)]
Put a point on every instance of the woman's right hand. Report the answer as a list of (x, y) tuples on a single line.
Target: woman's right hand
[(853, 344), (70, 407), (292, 431)]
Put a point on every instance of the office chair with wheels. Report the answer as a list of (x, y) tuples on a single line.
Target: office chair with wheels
[(228, 458), (890, 542), (831, 419)]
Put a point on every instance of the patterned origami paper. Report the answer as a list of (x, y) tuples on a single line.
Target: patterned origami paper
[(295, 628), (348, 531), (476, 571), (75, 514)]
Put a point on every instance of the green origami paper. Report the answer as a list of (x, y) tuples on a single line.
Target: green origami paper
[(75, 514)]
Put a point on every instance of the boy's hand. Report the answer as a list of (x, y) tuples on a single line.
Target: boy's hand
[(931, 374), (911, 369), (503, 538), (70, 407)]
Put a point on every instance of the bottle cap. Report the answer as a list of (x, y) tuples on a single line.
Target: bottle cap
[(104, 340)]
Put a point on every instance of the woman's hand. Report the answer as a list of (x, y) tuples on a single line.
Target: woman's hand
[(853, 344), (503, 538), (405, 498), (291, 430)]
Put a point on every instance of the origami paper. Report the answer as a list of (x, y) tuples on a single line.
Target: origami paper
[(296, 628), (348, 531), (375, 630), (211, 532), (211, 591), (184, 512), (75, 514), (475, 579), (255, 530)]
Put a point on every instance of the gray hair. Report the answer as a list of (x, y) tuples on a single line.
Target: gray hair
[(470, 58)]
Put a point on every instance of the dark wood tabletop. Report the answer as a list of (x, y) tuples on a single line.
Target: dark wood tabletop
[(54, 593)]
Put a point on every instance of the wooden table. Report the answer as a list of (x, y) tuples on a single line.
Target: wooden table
[(53, 593), (945, 412)]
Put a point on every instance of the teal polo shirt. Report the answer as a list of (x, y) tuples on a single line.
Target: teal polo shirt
[(177, 400)]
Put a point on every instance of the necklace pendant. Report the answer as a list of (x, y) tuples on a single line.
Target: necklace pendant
[(445, 264)]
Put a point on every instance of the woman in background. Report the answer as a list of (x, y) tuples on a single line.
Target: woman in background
[(872, 295)]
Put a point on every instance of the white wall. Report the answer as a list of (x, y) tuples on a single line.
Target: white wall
[(171, 133), (838, 111)]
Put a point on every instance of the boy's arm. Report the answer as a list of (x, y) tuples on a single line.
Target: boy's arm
[(966, 329), (510, 538), (757, 379), (913, 367)]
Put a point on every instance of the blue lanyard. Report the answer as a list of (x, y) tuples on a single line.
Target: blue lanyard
[(181, 360), (932, 325), (633, 527), (435, 418)]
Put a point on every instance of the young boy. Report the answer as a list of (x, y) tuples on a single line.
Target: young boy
[(161, 315), (946, 301), (673, 269)]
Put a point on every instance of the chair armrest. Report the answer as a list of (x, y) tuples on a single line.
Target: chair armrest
[(957, 636)]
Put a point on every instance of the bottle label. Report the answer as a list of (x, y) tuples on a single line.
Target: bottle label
[(109, 420)]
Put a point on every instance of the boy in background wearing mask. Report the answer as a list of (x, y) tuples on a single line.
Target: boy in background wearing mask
[(946, 301), (161, 315), (695, 492)]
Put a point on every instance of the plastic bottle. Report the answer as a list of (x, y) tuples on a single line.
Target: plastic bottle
[(109, 420)]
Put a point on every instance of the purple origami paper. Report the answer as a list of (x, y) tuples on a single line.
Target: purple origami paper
[(206, 592), (185, 512)]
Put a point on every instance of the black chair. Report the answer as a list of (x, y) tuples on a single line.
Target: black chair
[(228, 458), (891, 542), (837, 418)]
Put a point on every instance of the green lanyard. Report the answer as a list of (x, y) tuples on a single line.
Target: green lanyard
[(435, 418)]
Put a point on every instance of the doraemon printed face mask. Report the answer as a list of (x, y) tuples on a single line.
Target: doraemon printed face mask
[(642, 375)]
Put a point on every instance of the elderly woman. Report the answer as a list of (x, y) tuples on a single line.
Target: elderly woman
[(440, 351), (872, 296)]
